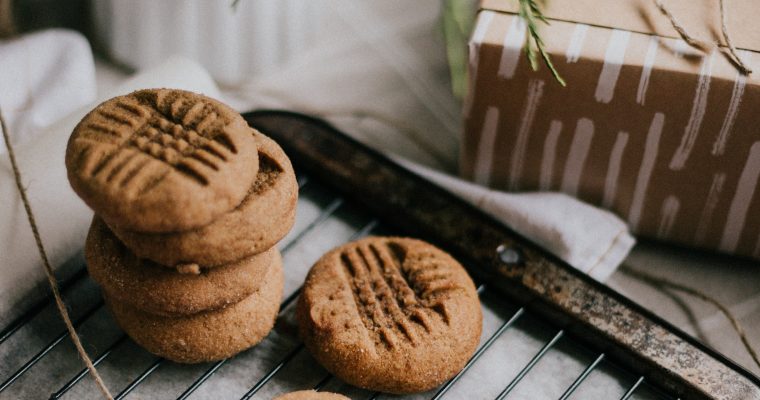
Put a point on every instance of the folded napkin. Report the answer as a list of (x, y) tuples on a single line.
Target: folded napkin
[(45, 77), (592, 240)]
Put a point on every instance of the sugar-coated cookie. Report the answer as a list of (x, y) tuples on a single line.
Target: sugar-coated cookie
[(158, 290), (263, 218), (391, 314), (206, 336), (161, 160), (311, 395)]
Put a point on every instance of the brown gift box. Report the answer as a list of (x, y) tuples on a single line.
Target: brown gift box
[(665, 135)]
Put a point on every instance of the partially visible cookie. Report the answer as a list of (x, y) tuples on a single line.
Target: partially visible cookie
[(206, 336), (161, 160), (391, 314), (264, 217), (158, 290), (311, 395)]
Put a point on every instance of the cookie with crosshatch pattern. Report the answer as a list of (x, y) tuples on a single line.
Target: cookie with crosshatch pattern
[(161, 160), (263, 218), (391, 314)]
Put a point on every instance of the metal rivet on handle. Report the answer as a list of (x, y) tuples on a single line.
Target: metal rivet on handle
[(510, 255)]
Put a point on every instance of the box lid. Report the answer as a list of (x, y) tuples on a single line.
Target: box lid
[(701, 19)]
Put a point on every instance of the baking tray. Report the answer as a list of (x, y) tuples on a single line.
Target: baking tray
[(549, 331)]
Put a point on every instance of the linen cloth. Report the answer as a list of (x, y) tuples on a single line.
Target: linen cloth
[(580, 238), (44, 77)]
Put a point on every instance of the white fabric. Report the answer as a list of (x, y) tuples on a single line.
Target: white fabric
[(43, 77), (593, 240), (387, 83), (61, 216)]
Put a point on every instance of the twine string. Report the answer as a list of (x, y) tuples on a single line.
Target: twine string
[(7, 27), (692, 41), (663, 283), (733, 54), (48, 269), (731, 48)]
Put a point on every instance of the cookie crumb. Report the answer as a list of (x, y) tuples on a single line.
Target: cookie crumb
[(191, 268)]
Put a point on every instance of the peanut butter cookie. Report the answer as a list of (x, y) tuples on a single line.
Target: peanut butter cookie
[(311, 395), (391, 314), (263, 218), (209, 335), (161, 160), (152, 288)]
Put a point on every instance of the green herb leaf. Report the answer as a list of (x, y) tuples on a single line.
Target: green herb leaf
[(531, 13)]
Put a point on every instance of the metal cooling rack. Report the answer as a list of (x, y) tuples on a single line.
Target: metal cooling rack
[(530, 348)]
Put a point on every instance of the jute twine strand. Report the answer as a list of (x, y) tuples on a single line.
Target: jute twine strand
[(48, 269), (664, 283), (731, 48), (692, 41), (7, 27), (698, 44)]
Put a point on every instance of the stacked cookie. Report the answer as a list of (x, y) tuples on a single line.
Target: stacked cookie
[(189, 203)]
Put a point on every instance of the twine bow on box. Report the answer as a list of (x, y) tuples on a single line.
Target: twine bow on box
[(732, 53)]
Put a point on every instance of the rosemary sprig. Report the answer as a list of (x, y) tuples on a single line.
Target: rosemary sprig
[(457, 23), (531, 13)]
